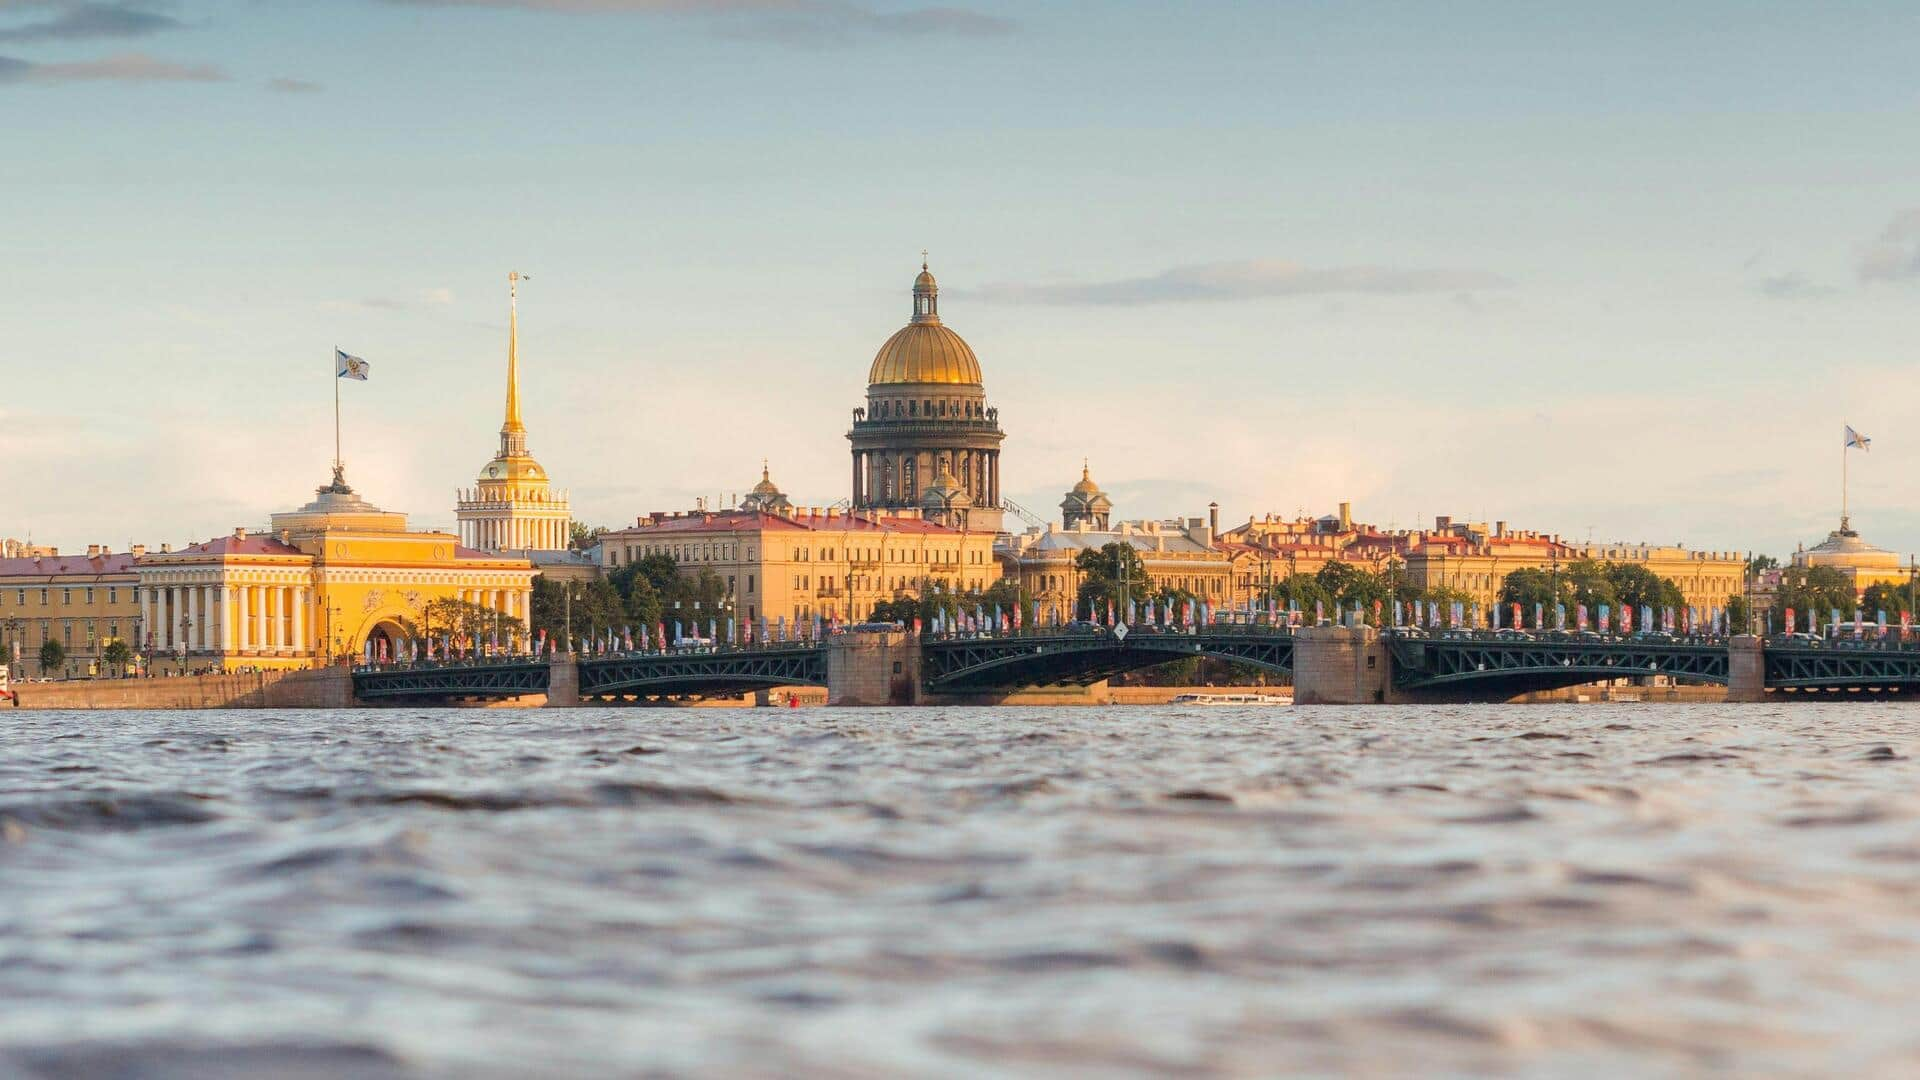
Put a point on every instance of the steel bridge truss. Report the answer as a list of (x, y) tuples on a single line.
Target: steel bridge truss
[(1842, 669), (965, 664), (494, 680), (729, 671), (1420, 663)]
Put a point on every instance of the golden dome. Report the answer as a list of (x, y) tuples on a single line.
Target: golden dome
[(1086, 486), (924, 351)]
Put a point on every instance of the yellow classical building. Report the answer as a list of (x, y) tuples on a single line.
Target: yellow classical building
[(1180, 553), (777, 560), (81, 601), (1863, 564), (320, 584)]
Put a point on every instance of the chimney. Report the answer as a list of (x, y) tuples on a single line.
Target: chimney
[(93, 551), (1346, 516), (1213, 517), (166, 548), (239, 532), (136, 550)]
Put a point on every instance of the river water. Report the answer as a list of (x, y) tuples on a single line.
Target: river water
[(1472, 890)]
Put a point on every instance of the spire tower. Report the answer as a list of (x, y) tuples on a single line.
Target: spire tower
[(513, 433)]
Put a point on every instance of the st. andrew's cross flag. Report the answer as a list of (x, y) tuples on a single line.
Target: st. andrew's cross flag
[(1855, 440), (352, 367)]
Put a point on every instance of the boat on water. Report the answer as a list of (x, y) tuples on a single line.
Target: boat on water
[(1230, 699)]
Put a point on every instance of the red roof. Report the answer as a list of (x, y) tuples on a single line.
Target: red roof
[(67, 565), (234, 545)]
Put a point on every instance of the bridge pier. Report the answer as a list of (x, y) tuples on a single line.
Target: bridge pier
[(873, 669), (1746, 669), (1341, 665), (563, 681)]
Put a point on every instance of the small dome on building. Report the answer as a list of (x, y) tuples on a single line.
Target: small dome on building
[(766, 495), (1086, 503)]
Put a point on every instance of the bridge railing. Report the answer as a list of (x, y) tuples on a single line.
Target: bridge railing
[(614, 654), (1095, 632)]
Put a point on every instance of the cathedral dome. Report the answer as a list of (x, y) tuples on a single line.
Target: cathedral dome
[(924, 351)]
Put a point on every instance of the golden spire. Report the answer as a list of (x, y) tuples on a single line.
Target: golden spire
[(513, 425)]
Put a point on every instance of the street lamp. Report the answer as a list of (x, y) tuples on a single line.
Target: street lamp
[(186, 623)]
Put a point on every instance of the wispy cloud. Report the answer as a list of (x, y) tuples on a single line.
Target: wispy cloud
[(84, 21), (425, 298), (1245, 280), (125, 67), (808, 22), (1895, 256), (293, 86), (1792, 286)]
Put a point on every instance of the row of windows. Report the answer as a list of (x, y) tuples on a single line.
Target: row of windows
[(86, 593), (89, 628)]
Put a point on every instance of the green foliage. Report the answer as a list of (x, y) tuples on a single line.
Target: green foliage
[(117, 652), (446, 617), (580, 536), (1738, 612), (1112, 574), (1813, 592), (1530, 586), (53, 656), (1889, 597)]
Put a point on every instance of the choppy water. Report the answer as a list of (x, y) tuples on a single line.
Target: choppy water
[(1582, 890)]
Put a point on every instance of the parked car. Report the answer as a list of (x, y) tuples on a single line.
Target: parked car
[(1510, 634), (876, 628), (1083, 626)]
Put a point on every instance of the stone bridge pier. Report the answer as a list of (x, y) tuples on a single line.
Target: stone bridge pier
[(1746, 669), (1341, 665), (873, 669)]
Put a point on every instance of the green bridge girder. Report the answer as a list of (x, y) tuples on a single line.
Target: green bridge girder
[(963, 664), (728, 671), (1435, 663)]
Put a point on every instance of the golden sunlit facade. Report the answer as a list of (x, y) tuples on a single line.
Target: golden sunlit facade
[(801, 562), (318, 585)]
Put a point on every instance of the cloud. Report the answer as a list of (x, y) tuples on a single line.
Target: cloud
[(87, 21), (425, 298), (789, 21), (294, 86), (125, 67), (1792, 286), (1896, 255), (1246, 280)]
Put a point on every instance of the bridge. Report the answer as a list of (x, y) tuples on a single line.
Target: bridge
[(1051, 657), (1327, 664), (1518, 664)]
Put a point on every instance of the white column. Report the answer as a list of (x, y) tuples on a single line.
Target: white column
[(202, 615), (277, 623), (146, 616), (223, 597), (169, 605), (242, 629), (259, 618), (300, 642)]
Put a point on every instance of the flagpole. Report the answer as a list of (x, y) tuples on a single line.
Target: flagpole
[(1843, 484), (336, 408)]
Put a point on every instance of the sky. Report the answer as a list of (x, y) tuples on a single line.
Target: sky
[(1616, 271)]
